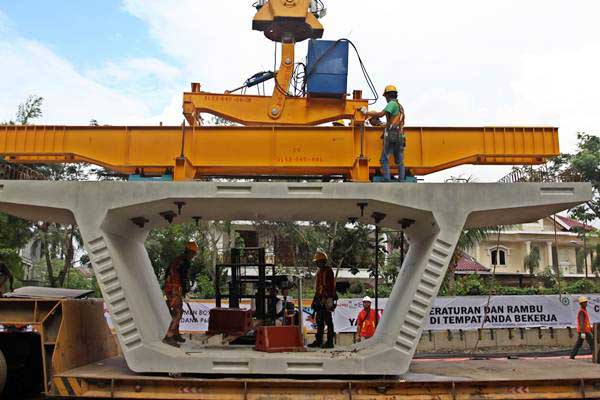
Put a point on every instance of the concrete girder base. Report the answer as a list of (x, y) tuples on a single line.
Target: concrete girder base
[(104, 212)]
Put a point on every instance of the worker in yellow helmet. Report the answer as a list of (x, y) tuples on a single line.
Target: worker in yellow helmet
[(339, 122), (176, 287), (324, 301), (393, 135), (584, 327)]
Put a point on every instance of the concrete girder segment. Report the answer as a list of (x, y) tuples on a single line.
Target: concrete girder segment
[(104, 213)]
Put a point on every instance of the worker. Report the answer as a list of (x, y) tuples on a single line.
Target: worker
[(274, 306), (176, 288), (366, 321), (339, 122), (288, 314), (584, 328), (324, 301), (393, 135), (5, 276)]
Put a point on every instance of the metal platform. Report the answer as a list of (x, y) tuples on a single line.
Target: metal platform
[(544, 378), (115, 218)]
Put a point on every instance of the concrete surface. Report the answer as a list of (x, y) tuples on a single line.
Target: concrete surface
[(104, 213)]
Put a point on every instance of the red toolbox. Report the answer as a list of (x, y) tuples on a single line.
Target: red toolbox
[(229, 321), (279, 339)]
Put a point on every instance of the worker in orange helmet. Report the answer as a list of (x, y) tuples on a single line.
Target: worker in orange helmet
[(324, 301), (584, 327), (366, 321), (176, 287), (393, 135)]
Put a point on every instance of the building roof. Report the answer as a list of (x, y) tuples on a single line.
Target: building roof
[(466, 263), (570, 224)]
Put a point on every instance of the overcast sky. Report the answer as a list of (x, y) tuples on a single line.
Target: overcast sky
[(463, 63)]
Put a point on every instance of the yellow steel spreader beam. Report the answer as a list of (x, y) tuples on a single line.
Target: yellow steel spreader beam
[(194, 152)]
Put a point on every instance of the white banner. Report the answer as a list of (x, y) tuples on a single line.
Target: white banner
[(454, 313), (474, 312)]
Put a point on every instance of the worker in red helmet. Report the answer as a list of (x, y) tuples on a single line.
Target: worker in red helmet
[(584, 327), (176, 288), (393, 135), (366, 321), (324, 301)]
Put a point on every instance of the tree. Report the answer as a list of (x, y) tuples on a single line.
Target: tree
[(467, 240), (586, 164), (16, 232), (531, 262), (29, 110), (582, 166)]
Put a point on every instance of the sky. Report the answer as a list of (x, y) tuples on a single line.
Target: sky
[(458, 63)]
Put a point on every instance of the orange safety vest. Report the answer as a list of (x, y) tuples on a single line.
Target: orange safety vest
[(325, 283), (366, 323), (587, 326), (173, 280)]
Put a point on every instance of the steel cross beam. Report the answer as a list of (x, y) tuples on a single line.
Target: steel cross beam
[(192, 153), (105, 213)]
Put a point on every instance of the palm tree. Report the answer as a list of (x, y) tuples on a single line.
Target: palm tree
[(467, 240)]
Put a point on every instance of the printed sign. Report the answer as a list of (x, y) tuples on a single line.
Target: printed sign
[(454, 313)]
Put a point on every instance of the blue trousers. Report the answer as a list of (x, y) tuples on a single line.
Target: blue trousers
[(397, 149)]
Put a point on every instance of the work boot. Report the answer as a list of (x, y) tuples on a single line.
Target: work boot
[(315, 344), (178, 338), (170, 341), (328, 345)]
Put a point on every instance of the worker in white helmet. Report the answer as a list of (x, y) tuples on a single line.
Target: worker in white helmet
[(366, 322), (584, 327), (393, 135)]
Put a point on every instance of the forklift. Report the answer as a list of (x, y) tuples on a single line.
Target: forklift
[(263, 325)]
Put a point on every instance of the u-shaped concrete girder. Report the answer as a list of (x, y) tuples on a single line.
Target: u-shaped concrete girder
[(104, 213)]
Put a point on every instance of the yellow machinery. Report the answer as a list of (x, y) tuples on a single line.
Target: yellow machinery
[(277, 135)]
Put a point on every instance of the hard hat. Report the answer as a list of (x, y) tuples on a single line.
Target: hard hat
[(367, 298), (320, 256), (191, 246), (390, 88), (339, 122), (583, 299)]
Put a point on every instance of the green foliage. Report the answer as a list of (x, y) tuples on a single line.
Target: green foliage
[(30, 109), (14, 235), (384, 291), (352, 248), (356, 288), (471, 285), (596, 261), (205, 285), (585, 165), (548, 279), (165, 244), (582, 286), (531, 262), (390, 270)]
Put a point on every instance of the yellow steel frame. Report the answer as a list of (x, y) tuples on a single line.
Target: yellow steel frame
[(194, 152), (280, 108), (290, 18)]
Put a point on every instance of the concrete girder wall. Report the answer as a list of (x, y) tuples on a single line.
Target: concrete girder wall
[(103, 211)]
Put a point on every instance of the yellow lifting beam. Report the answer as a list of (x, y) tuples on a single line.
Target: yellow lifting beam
[(196, 152)]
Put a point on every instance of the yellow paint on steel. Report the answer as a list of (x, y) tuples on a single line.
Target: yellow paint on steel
[(257, 110), (194, 152)]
